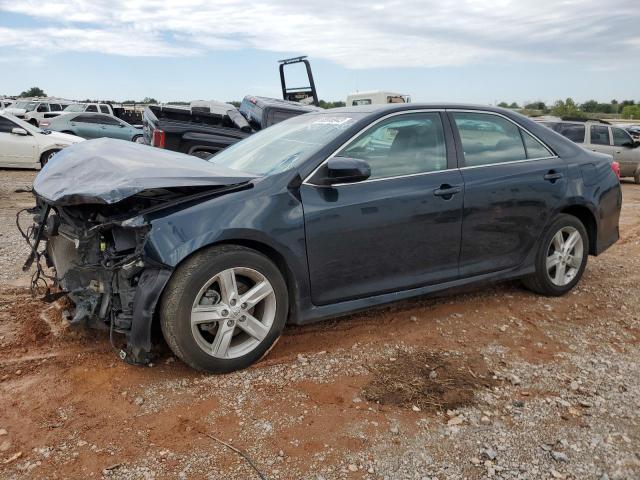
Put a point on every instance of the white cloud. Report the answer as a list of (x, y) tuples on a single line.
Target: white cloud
[(356, 34)]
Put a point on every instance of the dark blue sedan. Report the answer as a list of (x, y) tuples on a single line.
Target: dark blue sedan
[(321, 215)]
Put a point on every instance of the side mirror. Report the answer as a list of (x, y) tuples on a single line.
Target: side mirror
[(345, 170), (19, 131)]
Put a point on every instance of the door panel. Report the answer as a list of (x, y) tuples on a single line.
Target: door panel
[(17, 149), (381, 236), (506, 207), (512, 184)]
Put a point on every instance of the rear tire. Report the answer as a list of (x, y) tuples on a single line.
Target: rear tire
[(46, 156), (211, 328), (559, 263), (138, 139)]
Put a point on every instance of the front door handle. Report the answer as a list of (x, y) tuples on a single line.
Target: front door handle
[(446, 191), (552, 176)]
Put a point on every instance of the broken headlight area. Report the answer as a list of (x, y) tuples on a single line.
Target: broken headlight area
[(95, 253)]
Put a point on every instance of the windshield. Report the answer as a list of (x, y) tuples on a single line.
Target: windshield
[(75, 108), (28, 106), (285, 145)]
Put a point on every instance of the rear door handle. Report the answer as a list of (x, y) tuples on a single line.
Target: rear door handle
[(446, 191), (553, 176)]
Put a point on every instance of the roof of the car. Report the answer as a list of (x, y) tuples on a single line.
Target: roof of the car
[(393, 107)]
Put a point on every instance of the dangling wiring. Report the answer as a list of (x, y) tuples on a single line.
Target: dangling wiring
[(32, 235)]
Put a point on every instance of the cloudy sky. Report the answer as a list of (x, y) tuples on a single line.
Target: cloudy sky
[(479, 51)]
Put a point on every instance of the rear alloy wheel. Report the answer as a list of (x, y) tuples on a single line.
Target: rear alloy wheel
[(224, 308), (46, 156), (562, 257), (138, 139)]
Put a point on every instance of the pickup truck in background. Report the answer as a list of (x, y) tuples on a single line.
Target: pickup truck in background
[(205, 127)]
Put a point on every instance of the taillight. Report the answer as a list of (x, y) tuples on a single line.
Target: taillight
[(615, 166), (157, 138)]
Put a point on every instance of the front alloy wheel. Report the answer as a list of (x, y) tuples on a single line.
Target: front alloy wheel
[(224, 308), (233, 312)]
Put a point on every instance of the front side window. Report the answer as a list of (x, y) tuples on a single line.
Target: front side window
[(401, 145), (600, 135), (621, 138), (43, 107), (362, 101), (488, 139), (6, 125), (92, 108)]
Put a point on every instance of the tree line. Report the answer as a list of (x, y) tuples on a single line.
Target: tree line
[(627, 109)]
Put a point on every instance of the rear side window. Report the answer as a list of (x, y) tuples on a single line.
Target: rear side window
[(534, 148), (488, 139), (401, 145), (620, 137), (55, 107), (600, 135), (104, 120), (104, 109), (91, 108), (84, 119), (362, 101)]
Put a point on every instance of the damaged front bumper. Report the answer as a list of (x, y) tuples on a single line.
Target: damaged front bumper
[(98, 260)]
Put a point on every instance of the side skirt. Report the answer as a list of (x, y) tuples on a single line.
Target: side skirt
[(318, 313)]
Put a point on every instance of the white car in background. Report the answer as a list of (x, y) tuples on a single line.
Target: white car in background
[(89, 107), (24, 146), (35, 110)]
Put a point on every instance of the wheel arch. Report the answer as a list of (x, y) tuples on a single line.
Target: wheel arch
[(588, 219), (268, 251)]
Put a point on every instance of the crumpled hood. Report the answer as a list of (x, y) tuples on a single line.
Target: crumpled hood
[(106, 171)]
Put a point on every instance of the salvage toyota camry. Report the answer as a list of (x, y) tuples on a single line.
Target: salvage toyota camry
[(318, 216)]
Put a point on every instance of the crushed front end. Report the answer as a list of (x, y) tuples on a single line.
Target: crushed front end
[(96, 255), (95, 204)]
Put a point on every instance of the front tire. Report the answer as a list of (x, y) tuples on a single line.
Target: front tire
[(224, 308), (561, 257)]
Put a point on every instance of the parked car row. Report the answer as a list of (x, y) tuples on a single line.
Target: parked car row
[(320, 215), (94, 125), (605, 138), (23, 145)]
